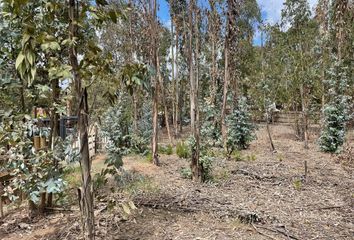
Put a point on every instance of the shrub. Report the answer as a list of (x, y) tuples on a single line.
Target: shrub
[(186, 173), (333, 133), (206, 162), (336, 112), (211, 130), (237, 156), (182, 150), (33, 171), (240, 128), (168, 150), (148, 157)]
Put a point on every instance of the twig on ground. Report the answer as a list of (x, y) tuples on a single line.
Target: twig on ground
[(279, 231), (263, 234)]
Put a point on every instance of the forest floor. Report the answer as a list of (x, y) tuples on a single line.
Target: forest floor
[(263, 195)]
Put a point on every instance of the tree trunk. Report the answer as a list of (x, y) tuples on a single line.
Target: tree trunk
[(269, 134), (54, 126), (135, 118), (304, 107), (224, 99), (155, 81), (213, 72), (86, 191), (195, 165)]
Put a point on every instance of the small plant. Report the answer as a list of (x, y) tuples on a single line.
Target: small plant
[(168, 150), (186, 173), (182, 150), (251, 157), (223, 175), (237, 156), (206, 163), (240, 128), (280, 157), (297, 184), (148, 157), (99, 180)]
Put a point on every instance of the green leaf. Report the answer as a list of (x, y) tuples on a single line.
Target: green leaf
[(19, 60), (113, 16), (30, 57), (33, 72), (54, 46), (25, 39)]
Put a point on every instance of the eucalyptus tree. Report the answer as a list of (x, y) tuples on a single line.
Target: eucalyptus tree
[(193, 80), (336, 112), (241, 17), (296, 16)]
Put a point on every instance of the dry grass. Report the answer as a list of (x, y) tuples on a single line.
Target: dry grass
[(271, 186)]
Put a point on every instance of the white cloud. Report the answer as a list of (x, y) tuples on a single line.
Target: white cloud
[(273, 9)]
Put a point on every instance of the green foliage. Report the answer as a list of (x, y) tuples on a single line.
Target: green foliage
[(336, 112), (115, 128), (210, 130), (251, 157), (240, 128), (34, 172), (186, 173), (182, 150), (99, 181), (297, 184), (333, 133), (206, 162), (148, 157), (237, 156), (280, 157), (168, 150)]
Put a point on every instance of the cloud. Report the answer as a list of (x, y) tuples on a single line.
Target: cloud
[(271, 9)]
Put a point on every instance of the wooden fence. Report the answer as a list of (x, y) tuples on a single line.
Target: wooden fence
[(290, 117)]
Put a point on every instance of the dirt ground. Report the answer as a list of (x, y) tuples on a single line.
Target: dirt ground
[(265, 195)]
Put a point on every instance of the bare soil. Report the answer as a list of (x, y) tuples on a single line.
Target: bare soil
[(265, 196)]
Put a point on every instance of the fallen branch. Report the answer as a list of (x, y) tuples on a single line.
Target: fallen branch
[(279, 231), (263, 234)]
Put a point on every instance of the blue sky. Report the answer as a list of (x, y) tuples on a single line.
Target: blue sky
[(270, 9)]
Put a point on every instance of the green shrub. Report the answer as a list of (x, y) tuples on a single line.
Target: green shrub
[(333, 133), (148, 157), (186, 173), (182, 150), (240, 128), (168, 150), (237, 156), (210, 130), (251, 157), (206, 163), (336, 112)]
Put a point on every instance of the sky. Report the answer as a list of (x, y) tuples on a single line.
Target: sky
[(270, 9)]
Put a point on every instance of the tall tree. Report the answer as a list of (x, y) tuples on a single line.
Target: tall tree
[(86, 192)]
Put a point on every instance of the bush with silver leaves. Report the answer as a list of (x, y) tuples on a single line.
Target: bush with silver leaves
[(241, 130)]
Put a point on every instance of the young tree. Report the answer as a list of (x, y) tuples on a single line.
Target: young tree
[(194, 110)]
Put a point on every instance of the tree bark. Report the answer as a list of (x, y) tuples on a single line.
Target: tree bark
[(195, 165), (86, 191), (155, 80), (54, 126), (224, 99)]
